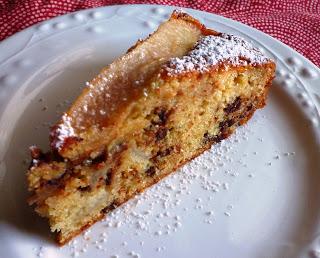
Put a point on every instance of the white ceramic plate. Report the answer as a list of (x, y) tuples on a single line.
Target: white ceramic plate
[(255, 195)]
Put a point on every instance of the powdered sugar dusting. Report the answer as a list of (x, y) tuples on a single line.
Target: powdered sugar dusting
[(64, 130), (213, 50)]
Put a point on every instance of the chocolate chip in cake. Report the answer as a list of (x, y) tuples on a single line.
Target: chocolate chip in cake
[(162, 114), (224, 125), (207, 138), (110, 207), (150, 171), (218, 138), (165, 152), (108, 177), (58, 181), (161, 133), (100, 158), (84, 188), (234, 106), (52, 182)]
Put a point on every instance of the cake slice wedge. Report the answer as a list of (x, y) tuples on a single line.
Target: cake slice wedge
[(168, 99)]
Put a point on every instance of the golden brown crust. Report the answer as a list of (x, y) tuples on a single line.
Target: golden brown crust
[(186, 17)]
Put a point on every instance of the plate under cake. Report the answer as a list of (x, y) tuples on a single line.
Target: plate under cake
[(164, 102)]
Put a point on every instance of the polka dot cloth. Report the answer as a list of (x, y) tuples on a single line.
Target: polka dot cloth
[(294, 22)]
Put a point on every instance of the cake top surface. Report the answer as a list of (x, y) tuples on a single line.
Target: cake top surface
[(212, 50), (121, 83)]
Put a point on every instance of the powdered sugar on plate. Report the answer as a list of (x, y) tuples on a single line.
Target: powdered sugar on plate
[(212, 50)]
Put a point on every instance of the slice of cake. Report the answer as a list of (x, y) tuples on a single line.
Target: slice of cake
[(168, 99)]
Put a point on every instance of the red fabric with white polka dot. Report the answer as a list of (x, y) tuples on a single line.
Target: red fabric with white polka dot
[(294, 22)]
